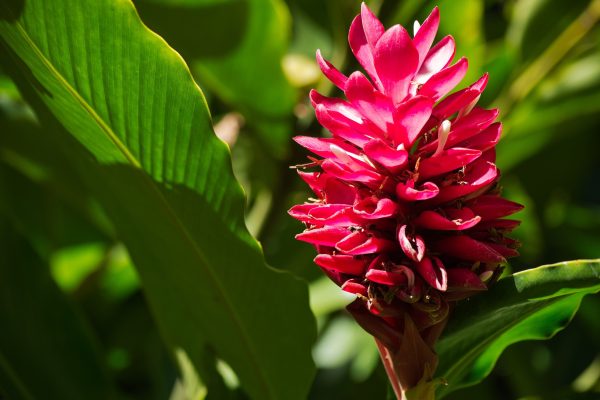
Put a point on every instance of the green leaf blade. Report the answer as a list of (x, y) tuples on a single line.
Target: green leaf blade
[(541, 325), (166, 182), (46, 350), (532, 304), (243, 67)]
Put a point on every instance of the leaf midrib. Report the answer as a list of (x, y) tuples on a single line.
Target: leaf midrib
[(104, 127)]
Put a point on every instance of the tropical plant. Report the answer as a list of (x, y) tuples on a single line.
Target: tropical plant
[(145, 247)]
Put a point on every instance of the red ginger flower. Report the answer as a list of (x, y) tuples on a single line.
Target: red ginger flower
[(408, 211)]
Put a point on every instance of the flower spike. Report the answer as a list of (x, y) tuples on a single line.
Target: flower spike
[(408, 215)]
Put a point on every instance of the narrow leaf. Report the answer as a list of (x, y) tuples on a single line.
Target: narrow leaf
[(532, 304)]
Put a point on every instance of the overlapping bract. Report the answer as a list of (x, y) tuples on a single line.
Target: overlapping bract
[(408, 214)]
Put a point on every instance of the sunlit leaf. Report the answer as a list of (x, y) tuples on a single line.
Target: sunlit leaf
[(166, 182), (568, 97), (532, 304), (243, 66), (536, 23), (464, 21), (70, 266)]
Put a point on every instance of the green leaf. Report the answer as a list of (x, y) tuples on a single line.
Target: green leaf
[(536, 23), (530, 231), (252, 77), (464, 21), (461, 19), (251, 38), (165, 180), (405, 12), (7, 89), (565, 105), (49, 217), (43, 194), (182, 22), (532, 304), (46, 351)]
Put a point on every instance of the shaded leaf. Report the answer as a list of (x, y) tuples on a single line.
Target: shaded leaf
[(46, 351), (50, 217), (252, 78), (532, 304), (167, 185), (565, 105), (182, 22)]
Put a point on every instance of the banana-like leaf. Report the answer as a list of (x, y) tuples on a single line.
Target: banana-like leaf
[(151, 158), (532, 304), (242, 61), (46, 351)]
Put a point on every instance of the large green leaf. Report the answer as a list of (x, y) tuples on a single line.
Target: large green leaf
[(166, 182), (532, 304), (46, 351), (241, 61), (182, 22), (42, 194)]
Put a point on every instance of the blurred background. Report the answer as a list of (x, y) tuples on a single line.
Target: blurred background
[(254, 60)]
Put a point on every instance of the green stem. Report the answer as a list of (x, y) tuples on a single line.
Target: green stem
[(538, 69)]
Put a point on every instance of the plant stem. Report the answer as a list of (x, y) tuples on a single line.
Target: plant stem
[(389, 369)]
